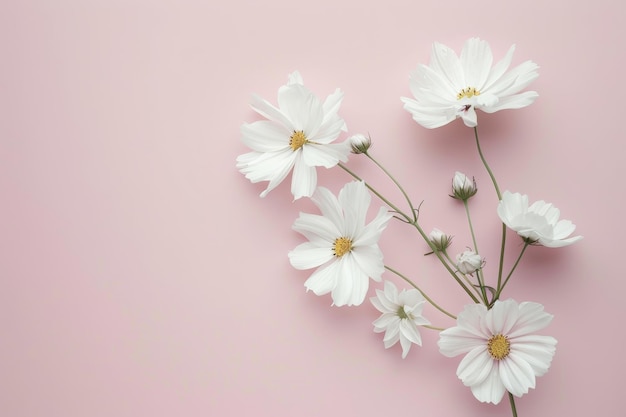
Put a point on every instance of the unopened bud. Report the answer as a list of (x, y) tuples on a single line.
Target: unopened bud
[(462, 187), (360, 143)]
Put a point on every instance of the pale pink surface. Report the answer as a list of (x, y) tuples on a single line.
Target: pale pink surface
[(142, 275)]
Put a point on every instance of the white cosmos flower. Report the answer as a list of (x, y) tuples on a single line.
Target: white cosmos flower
[(537, 224), (452, 86), (502, 351), (341, 246), (402, 313), (297, 134)]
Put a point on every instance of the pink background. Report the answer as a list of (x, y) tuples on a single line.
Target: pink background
[(143, 276)]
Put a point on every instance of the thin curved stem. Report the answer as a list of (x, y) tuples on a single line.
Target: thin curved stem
[(412, 284), (479, 273), (482, 158), (519, 258), (419, 229), (392, 178), (372, 189), (499, 194), (512, 402)]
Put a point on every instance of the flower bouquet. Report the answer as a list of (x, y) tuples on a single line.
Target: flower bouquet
[(497, 336)]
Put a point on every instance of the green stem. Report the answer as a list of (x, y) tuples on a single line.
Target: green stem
[(412, 284), (482, 158), (495, 185), (414, 223), (372, 189), (479, 274), (391, 177), (499, 290), (501, 262), (512, 401)]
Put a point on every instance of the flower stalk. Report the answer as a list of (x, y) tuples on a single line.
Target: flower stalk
[(299, 135)]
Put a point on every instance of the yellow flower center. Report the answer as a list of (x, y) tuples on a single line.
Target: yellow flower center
[(342, 246), (297, 140), (468, 92), (499, 347), (401, 313)]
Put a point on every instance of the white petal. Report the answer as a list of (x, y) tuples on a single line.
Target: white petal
[(455, 341), (469, 117), (475, 366), (307, 256), (491, 390), (515, 80), (429, 118), (516, 101), (267, 110), (301, 107), (303, 179), (352, 283), (265, 136), (476, 61), (370, 234), (324, 155), (370, 260), (332, 103), (328, 204), (502, 317), (445, 61), (516, 375), (354, 198), (538, 354), (386, 320), (308, 224), (295, 78), (323, 280), (406, 345), (410, 331), (499, 69), (532, 317), (560, 243)]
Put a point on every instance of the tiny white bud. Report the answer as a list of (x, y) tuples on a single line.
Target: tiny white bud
[(360, 143), (439, 239), (462, 187), (468, 262)]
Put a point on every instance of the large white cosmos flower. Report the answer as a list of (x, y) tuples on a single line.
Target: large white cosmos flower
[(402, 314), (341, 246), (297, 134), (502, 353), (452, 86), (537, 224)]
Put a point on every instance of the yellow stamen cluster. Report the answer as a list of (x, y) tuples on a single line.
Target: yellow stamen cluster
[(468, 92), (499, 347), (297, 140), (342, 246)]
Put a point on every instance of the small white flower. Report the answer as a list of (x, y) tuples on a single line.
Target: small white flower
[(452, 86), (297, 134), (502, 351), (360, 143), (468, 262), (462, 187), (402, 313), (439, 239), (537, 224), (341, 246)]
